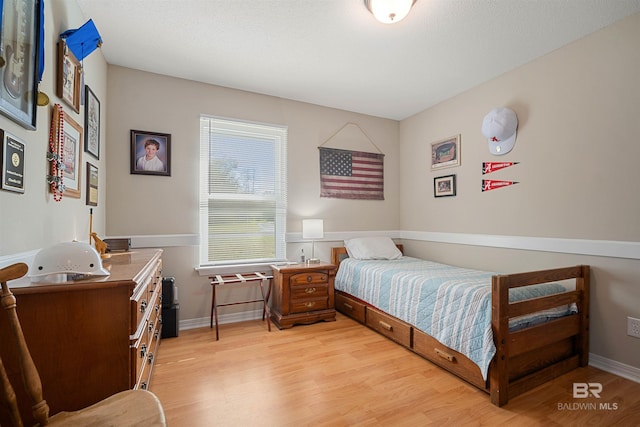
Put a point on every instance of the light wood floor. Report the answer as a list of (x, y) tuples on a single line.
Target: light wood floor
[(343, 374)]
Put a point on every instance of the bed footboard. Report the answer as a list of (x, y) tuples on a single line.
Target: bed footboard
[(531, 356)]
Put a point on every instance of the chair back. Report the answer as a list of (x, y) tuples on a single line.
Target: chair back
[(30, 375)]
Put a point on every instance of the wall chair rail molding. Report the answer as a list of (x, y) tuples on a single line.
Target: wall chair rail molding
[(603, 248), (161, 240)]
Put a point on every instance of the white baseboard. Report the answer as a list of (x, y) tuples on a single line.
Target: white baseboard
[(613, 367), (222, 319)]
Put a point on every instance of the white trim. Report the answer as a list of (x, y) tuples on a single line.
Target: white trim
[(204, 322), (337, 236), (613, 367), (605, 248)]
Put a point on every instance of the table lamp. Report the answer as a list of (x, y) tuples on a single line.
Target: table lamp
[(313, 229)]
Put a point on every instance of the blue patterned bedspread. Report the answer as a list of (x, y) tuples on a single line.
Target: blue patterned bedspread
[(451, 304)]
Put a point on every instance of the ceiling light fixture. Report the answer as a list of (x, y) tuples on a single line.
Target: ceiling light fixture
[(389, 11)]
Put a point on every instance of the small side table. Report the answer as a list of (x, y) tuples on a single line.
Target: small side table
[(302, 294), (257, 279)]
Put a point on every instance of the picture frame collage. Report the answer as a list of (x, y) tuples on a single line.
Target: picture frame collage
[(20, 52), (445, 153)]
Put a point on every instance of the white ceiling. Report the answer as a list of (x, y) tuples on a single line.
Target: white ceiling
[(334, 53)]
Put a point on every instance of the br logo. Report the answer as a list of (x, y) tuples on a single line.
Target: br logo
[(584, 390)]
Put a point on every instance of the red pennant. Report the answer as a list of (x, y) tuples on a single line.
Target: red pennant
[(488, 167), (492, 184)]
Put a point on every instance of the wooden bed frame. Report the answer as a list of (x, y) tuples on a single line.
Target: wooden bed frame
[(525, 358)]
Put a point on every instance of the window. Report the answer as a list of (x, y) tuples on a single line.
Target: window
[(243, 192)]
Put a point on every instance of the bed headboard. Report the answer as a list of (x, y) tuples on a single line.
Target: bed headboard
[(340, 253)]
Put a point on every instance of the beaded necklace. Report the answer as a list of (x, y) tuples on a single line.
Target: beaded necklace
[(56, 152)]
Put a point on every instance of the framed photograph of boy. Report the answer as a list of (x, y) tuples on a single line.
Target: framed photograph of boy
[(150, 153)]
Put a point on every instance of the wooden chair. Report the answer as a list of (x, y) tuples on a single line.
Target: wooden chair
[(130, 407)]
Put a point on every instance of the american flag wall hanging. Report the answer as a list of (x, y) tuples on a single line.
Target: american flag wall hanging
[(346, 174)]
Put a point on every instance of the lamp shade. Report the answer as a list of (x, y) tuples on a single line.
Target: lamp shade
[(312, 229), (389, 11)]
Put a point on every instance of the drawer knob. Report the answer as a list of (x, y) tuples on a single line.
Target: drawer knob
[(385, 325), (143, 305), (143, 350), (310, 290), (143, 385), (309, 304), (150, 357), (150, 326), (309, 279)]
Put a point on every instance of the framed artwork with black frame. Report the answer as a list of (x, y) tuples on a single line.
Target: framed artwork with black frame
[(69, 82), (150, 153), (19, 51), (91, 123), (92, 185), (444, 186), (12, 162)]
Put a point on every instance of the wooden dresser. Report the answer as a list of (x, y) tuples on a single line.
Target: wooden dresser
[(91, 338), (302, 293)]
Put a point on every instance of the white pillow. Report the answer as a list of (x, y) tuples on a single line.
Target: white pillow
[(372, 248)]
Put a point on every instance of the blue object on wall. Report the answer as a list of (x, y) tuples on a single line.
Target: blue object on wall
[(83, 41)]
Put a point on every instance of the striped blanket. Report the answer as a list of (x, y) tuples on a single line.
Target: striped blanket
[(451, 304)]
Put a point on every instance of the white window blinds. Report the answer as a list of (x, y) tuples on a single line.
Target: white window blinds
[(243, 192)]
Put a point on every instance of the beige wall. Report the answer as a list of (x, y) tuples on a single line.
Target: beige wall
[(157, 205), (33, 220), (578, 150)]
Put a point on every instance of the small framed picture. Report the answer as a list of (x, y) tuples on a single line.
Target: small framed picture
[(91, 123), (92, 185), (444, 186), (72, 157), (69, 77), (445, 153), (150, 153), (12, 163)]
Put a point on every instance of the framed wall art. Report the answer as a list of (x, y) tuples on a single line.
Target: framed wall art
[(69, 77), (92, 185), (91, 123), (12, 162), (19, 47), (444, 186), (72, 152), (150, 153), (445, 153)]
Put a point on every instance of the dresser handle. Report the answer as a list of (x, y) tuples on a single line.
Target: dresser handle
[(349, 306), (309, 304), (150, 357), (143, 350), (385, 325), (150, 326), (143, 385), (310, 290), (143, 305)]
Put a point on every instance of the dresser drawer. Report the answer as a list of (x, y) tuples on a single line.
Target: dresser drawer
[(309, 291), (309, 278), (309, 304), (350, 307), (388, 326)]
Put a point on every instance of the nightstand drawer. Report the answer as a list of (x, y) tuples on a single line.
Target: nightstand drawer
[(309, 291), (309, 278), (310, 304)]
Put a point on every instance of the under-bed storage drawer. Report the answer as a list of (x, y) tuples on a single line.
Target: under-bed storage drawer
[(388, 326), (431, 349), (350, 307)]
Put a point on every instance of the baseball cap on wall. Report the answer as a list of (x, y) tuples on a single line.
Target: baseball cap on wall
[(499, 127)]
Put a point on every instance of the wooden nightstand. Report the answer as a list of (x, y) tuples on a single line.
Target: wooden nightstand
[(302, 293)]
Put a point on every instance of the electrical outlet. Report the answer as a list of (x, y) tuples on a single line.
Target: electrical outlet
[(633, 327)]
